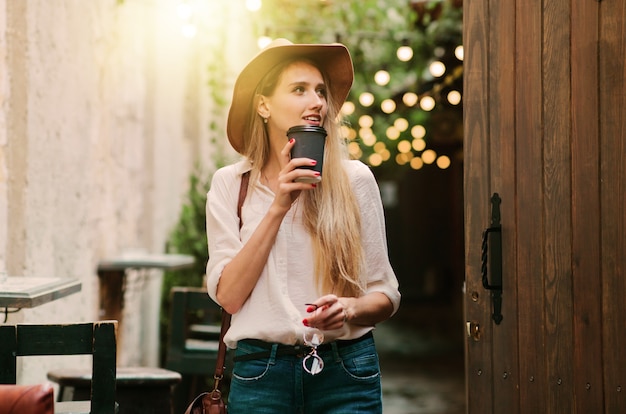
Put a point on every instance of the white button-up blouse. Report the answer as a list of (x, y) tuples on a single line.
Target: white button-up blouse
[(276, 307)]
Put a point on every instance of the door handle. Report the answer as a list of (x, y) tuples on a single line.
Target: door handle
[(492, 259)]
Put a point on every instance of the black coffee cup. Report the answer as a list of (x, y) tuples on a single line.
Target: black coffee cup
[(310, 141)]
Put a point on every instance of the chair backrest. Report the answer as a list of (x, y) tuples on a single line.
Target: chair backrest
[(194, 328), (27, 399), (95, 338)]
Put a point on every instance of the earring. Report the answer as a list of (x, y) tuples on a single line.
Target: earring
[(264, 120)]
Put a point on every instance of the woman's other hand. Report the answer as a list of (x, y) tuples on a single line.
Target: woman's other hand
[(332, 312)]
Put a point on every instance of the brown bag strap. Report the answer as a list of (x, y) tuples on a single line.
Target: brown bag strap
[(243, 190), (221, 351)]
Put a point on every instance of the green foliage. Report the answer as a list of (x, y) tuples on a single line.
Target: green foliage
[(188, 237), (189, 234), (373, 30)]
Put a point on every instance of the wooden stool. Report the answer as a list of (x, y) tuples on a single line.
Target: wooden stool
[(140, 390)]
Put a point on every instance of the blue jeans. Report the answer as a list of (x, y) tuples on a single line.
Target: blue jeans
[(348, 384)]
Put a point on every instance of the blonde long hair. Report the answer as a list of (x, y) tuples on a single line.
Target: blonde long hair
[(330, 211)]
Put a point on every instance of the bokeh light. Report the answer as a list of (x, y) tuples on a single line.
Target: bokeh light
[(366, 99), (382, 77)]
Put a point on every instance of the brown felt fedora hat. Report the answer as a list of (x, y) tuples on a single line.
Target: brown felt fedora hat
[(333, 59)]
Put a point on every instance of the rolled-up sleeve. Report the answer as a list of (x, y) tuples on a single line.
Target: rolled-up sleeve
[(222, 223), (379, 274)]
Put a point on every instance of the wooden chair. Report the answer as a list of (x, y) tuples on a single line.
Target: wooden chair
[(27, 399), (193, 339), (95, 338), (194, 330)]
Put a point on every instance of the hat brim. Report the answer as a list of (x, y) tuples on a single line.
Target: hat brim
[(332, 59)]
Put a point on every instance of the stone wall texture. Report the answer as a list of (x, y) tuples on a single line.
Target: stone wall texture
[(105, 108)]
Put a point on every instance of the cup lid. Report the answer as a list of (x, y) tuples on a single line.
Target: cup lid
[(306, 128)]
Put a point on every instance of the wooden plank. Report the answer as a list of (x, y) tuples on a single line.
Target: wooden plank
[(530, 220), (586, 277), (502, 156), (8, 350), (557, 210), (479, 374), (74, 339), (613, 199), (104, 366)]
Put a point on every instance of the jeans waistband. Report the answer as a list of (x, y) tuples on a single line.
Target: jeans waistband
[(294, 350)]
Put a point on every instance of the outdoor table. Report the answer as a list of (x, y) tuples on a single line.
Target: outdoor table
[(112, 275), (27, 292)]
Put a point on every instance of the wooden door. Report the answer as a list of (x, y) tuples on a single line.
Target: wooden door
[(545, 129)]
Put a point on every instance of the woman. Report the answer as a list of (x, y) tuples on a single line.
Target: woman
[(309, 257)]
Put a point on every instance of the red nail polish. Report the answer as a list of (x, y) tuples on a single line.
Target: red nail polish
[(305, 322), (291, 141), (310, 309), (313, 185), (313, 162), (317, 174)]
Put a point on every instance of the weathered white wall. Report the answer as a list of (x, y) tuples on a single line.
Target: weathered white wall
[(104, 109)]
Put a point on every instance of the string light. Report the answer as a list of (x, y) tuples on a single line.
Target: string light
[(410, 99), (437, 69), (381, 149), (392, 133), (355, 150), (417, 163), (404, 52), (443, 162), (418, 132), (388, 106), (458, 52), (379, 146), (404, 157), (429, 156), (385, 154), (348, 108), (404, 146), (402, 124), (367, 136), (418, 144), (454, 97), (366, 99), (427, 103), (382, 77), (375, 159), (351, 133), (366, 121)]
